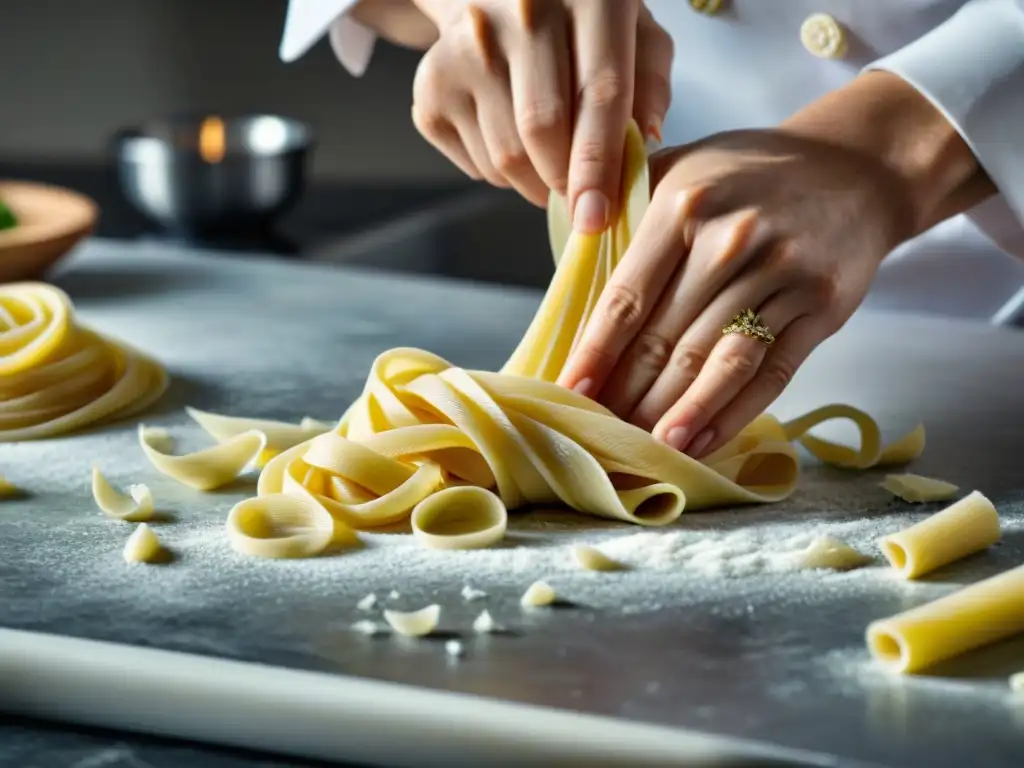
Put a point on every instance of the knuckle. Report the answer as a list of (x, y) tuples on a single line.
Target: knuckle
[(623, 307), (688, 362), (736, 363), (651, 350), (823, 288), (511, 161), (431, 124), (426, 83), (777, 373), (604, 89), (540, 118)]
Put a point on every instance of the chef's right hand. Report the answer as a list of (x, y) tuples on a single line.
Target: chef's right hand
[(537, 94)]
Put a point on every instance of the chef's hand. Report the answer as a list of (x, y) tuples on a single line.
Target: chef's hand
[(791, 223), (536, 94)]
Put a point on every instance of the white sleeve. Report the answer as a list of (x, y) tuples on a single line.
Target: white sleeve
[(308, 20), (972, 69)]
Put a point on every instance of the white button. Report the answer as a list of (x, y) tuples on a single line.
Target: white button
[(710, 7), (823, 36)]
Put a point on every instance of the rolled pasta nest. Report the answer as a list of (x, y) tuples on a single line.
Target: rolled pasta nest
[(57, 376), (464, 446)]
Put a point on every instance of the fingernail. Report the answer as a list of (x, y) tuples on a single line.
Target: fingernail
[(677, 437), (700, 443), (585, 387), (654, 132), (591, 214)]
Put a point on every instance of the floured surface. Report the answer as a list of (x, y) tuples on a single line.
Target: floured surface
[(707, 629)]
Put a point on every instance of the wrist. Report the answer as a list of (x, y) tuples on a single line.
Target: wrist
[(884, 118)]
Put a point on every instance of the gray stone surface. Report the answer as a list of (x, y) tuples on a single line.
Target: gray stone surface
[(772, 657)]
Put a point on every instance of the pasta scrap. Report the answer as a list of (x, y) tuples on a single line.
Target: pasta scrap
[(7, 488), (484, 623), (279, 526), (538, 594), (209, 468), (135, 507), (414, 623), (918, 489), (57, 376), (463, 517), (829, 553), (969, 618), (961, 529), (143, 546), (280, 435), (592, 559)]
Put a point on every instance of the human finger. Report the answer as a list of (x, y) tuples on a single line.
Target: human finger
[(445, 138), (604, 35), (733, 362), (653, 90), (505, 147)]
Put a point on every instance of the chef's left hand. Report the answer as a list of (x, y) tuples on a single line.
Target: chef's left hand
[(786, 222)]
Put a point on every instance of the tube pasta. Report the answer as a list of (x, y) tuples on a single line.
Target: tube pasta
[(538, 594), (463, 517), (279, 526), (135, 507), (280, 435), (57, 376), (414, 623), (977, 615), (918, 489), (422, 425), (592, 559), (206, 469), (961, 529), (143, 546)]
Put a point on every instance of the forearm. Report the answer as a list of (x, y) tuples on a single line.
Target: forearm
[(398, 21), (889, 121)]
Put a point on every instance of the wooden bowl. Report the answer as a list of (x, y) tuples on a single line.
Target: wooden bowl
[(51, 221)]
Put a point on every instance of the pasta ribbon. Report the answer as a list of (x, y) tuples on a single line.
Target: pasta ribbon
[(209, 468), (57, 376), (133, 507), (422, 425)]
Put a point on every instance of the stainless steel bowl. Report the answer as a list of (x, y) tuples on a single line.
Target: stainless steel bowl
[(213, 173)]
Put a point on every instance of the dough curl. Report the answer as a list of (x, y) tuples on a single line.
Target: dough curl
[(422, 425), (57, 376)]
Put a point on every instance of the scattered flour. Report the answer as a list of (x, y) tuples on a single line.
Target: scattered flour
[(469, 593)]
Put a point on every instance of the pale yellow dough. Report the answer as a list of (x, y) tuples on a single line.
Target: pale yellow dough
[(279, 526), (592, 559), (414, 623), (280, 435), (422, 425), (7, 488), (961, 529), (143, 546), (829, 553), (209, 468), (919, 489), (463, 517), (974, 616), (538, 594), (134, 507), (57, 376)]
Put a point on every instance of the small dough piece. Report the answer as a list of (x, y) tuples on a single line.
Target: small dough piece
[(454, 649), (143, 546), (463, 517), (414, 623), (1017, 682), (367, 627), (919, 489), (7, 488), (206, 469), (280, 526), (592, 559), (484, 623), (538, 594), (367, 603), (471, 593), (828, 552), (133, 508), (982, 613), (961, 529)]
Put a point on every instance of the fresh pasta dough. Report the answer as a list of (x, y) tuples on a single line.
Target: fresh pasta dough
[(57, 376), (538, 594), (280, 435), (209, 468), (414, 623), (918, 489), (280, 526), (143, 546), (135, 507), (961, 529), (829, 553), (974, 616), (592, 559), (423, 426), (463, 517)]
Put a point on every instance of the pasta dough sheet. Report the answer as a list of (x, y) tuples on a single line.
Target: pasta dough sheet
[(969, 618)]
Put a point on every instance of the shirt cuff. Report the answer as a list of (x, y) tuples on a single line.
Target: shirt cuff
[(309, 20), (972, 69)]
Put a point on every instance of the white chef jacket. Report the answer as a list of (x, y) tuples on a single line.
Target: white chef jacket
[(747, 65)]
